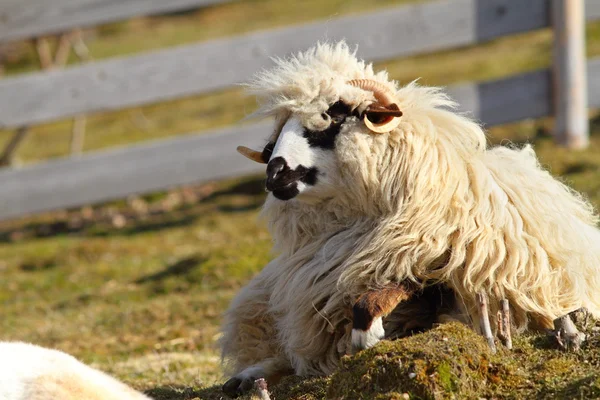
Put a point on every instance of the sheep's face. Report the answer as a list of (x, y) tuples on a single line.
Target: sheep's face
[(346, 133), (328, 107), (302, 157)]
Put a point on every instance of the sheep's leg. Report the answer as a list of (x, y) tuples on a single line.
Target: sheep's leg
[(484, 320), (504, 324), (243, 382), (368, 313), (249, 342), (566, 334)]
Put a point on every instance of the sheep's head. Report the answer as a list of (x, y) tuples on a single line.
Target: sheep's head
[(296, 156), (317, 97), (339, 127)]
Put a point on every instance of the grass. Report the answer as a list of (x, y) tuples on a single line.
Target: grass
[(143, 301)]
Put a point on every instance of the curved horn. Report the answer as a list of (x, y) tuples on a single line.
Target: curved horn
[(251, 154), (386, 110)]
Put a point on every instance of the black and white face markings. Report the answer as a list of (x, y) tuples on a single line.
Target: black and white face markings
[(301, 156), (325, 139)]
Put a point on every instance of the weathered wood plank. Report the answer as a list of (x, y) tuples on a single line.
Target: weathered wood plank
[(193, 69), (592, 10), (569, 74), (106, 175), (593, 73), (506, 100), (519, 97), (113, 174), (21, 19)]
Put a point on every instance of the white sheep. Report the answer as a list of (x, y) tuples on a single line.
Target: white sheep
[(30, 372), (379, 195)]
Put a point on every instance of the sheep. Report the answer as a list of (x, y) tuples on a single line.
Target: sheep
[(376, 188), (30, 372)]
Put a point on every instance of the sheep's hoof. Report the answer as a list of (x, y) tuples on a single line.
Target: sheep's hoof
[(569, 341), (566, 334), (238, 386)]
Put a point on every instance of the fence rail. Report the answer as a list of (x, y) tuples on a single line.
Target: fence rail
[(21, 19), (193, 69), (217, 64), (114, 174), (592, 9)]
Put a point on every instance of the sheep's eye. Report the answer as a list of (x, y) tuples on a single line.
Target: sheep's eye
[(338, 119), (338, 112)]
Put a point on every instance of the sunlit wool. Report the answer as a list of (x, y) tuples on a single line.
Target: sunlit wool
[(29, 372), (427, 202)]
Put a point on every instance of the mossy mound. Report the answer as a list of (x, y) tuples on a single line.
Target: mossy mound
[(447, 361), (294, 387), (453, 362)]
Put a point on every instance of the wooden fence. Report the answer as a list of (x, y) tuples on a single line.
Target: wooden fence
[(199, 68)]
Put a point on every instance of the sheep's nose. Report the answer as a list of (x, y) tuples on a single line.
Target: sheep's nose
[(274, 168)]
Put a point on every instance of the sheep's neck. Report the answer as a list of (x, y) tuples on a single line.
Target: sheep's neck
[(295, 225)]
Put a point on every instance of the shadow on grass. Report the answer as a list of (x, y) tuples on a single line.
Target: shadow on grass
[(156, 222), (181, 267), (595, 126), (252, 187), (35, 265), (159, 217), (184, 393), (79, 300), (579, 167), (545, 342)]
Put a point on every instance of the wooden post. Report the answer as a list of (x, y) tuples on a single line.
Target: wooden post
[(46, 63), (78, 131), (6, 158), (44, 53), (569, 74), (78, 135)]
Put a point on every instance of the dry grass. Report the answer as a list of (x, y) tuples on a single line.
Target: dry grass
[(147, 295)]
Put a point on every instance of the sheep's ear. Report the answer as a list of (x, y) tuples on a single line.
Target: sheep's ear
[(251, 154), (381, 119), (378, 113)]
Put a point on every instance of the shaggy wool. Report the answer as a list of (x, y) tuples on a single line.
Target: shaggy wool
[(427, 202), (29, 372)]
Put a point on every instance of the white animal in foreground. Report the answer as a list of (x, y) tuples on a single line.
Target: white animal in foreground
[(30, 372), (380, 195)]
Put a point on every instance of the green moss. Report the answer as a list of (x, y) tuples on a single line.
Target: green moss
[(294, 387), (446, 361), (453, 362), (446, 377)]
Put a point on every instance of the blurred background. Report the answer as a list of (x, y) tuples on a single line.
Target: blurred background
[(128, 222)]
